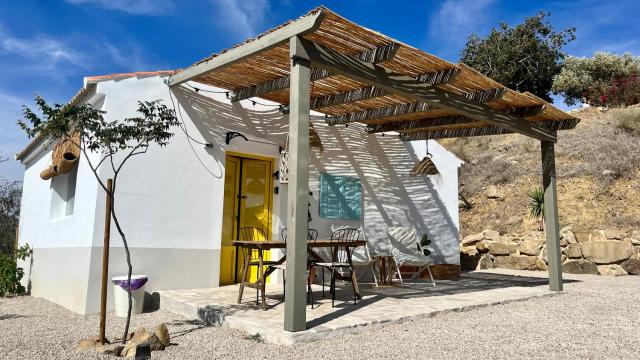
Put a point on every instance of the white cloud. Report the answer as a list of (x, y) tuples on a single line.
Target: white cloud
[(457, 19), (241, 18), (41, 52), (135, 7)]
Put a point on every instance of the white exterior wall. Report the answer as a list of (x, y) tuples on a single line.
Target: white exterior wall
[(170, 200)]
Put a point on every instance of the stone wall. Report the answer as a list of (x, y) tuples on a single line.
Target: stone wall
[(604, 252)]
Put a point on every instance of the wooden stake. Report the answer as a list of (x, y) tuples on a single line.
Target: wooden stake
[(105, 261)]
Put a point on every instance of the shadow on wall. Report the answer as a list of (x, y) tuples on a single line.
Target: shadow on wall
[(391, 197)]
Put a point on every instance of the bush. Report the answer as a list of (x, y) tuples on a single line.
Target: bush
[(604, 79), (11, 274), (630, 120)]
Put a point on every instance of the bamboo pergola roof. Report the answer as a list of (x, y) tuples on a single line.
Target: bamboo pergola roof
[(264, 73)]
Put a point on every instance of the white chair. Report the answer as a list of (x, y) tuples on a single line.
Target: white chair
[(406, 250), (361, 256)]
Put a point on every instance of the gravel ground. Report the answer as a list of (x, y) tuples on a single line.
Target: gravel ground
[(596, 317)]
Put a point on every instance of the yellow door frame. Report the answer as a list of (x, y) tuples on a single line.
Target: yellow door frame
[(270, 183)]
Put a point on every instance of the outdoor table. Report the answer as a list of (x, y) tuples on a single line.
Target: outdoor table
[(263, 274)]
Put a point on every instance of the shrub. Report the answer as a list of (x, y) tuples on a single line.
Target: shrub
[(11, 274), (604, 79), (629, 120)]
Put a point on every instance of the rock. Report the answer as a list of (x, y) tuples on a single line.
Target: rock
[(563, 258), (514, 220), (493, 193), (541, 265), (472, 239), (607, 251), (568, 236), (501, 248), (110, 349), (597, 235), (631, 266), (543, 254), (516, 262), (482, 246), (469, 257), (162, 333), (580, 266), (485, 263), (531, 246), (635, 237), (563, 242), (573, 251), (611, 270), (88, 343), (602, 109), (491, 235), (614, 234), (140, 337), (581, 236)]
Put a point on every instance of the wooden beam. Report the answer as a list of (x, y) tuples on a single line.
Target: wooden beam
[(439, 77), (485, 96), (379, 54), (347, 97), (409, 87), (422, 124), (379, 113), (426, 133), (551, 223), (302, 26), (376, 55), (269, 86), (295, 300)]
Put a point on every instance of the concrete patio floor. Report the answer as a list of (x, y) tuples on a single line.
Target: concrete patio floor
[(379, 306)]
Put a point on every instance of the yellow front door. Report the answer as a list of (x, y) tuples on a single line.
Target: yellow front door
[(247, 203)]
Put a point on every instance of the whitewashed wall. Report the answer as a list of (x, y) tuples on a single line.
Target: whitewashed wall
[(170, 199)]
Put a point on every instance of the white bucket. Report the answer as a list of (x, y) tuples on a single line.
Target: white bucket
[(122, 299)]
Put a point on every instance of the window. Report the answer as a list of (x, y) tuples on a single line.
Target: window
[(340, 197), (63, 194)]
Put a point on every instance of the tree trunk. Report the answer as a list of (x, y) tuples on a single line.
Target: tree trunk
[(130, 268)]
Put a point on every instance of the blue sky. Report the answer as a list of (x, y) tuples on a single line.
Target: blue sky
[(47, 47)]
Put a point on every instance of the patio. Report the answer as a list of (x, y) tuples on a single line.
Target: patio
[(379, 306)]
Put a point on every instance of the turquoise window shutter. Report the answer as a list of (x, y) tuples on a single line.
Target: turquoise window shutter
[(340, 197)]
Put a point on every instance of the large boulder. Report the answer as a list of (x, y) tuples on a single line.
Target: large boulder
[(472, 239), (597, 235), (485, 262), (635, 237), (581, 236), (531, 246), (568, 236), (141, 336), (491, 235), (611, 270), (469, 257), (541, 265), (573, 251), (631, 266), (607, 251), (580, 266), (501, 248), (611, 234), (516, 262)]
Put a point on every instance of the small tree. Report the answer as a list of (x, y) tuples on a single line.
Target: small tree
[(604, 79), (10, 193), (536, 205), (115, 141), (525, 57)]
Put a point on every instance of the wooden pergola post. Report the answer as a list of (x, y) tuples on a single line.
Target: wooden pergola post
[(551, 222), (295, 297)]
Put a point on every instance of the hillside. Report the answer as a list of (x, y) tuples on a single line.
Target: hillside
[(598, 167)]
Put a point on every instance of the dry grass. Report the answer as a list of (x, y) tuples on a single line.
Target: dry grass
[(629, 119), (598, 166)]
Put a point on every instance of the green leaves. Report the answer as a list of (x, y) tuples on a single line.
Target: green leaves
[(525, 57), (536, 203)]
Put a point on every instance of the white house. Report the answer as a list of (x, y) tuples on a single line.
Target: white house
[(178, 204)]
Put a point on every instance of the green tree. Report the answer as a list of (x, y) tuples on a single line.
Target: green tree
[(10, 194), (525, 57), (584, 79), (115, 141)]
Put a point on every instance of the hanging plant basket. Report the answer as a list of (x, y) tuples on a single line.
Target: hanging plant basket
[(425, 167)]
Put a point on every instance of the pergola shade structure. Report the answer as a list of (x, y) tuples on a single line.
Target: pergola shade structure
[(326, 63)]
